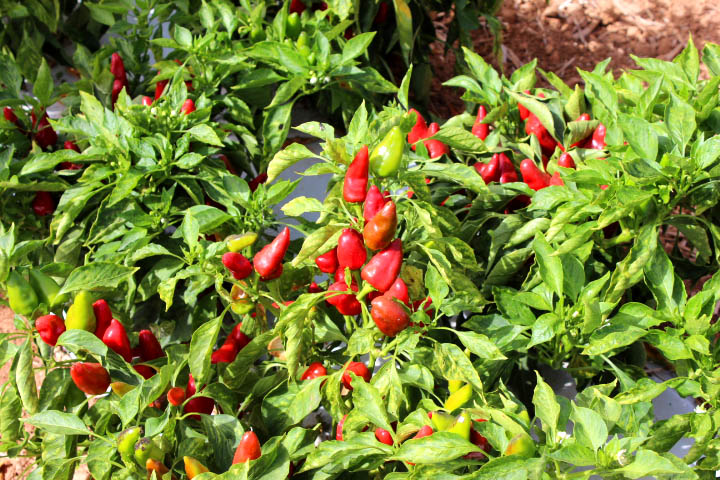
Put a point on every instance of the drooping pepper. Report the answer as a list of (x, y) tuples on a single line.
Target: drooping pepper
[(248, 448), (380, 230), (521, 445), (238, 265), (43, 204), (490, 172), (389, 315), (160, 88), (293, 26), (351, 251), (359, 369), (269, 259), (91, 378), (419, 130), (399, 291), (237, 243), (373, 203), (425, 431), (150, 348), (46, 288), (255, 182), (198, 404), (383, 436), (70, 145), (117, 67), (345, 304), (386, 157), (339, 428), (116, 338), (45, 135), (117, 87), (461, 426), (382, 14), (532, 175), (315, 370), (328, 261), (80, 315), (50, 327), (176, 396), (566, 161), (356, 177), (103, 317), (383, 268), (10, 116), (533, 126), (193, 467), (435, 148), (188, 107), (479, 129)]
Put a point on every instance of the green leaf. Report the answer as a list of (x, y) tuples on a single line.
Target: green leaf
[(550, 265), (43, 86), (25, 378), (648, 463), (680, 121), (205, 134), (201, 348), (640, 136), (62, 423), (370, 404), (546, 408), (287, 158), (97, 275), (439, 447), (480, 345), (590, 429), (404, 19)]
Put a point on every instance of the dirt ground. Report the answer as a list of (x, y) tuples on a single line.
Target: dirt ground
[(568, 34)]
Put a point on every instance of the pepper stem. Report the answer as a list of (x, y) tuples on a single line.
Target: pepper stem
[(367, 288)]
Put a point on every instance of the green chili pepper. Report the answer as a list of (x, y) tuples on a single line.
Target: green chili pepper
[(126, 442), (21, 296), (386, 157), (46, 288), (293, 26)]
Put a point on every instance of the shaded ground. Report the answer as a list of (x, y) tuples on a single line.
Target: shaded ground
[(568, 34)]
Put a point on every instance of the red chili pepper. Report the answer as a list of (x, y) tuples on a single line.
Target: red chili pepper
[(425, 431), (524, 112), (351, 251), (145, 371), (91, 378), (150, 348), (117, 67), (50, 327), (383, 436), (426, 304), (345, 304), (400, 291), (339, 429), (532, 175), (103, 317), (159, 88), (359, 369), (314, 288), (277, 273), (176, 396), (253, 184), (598, 137), (270, 258), (380, 230), (315, 370), (435, 148), (356, 177), (146, 101), (197, 405), (45, 135), (116, 338), (116, 89), (419, 131), (556, 179), (566, 161), (374, 201), (43, 204), (249, 447), (389, 315), (535, 127), (225, 354), (10, 116), (507, 169), (328, 261), (479, 129), (297, 6), (188, 107), (490, 172), (382, 14), (70, 145), (383, 268), (238, 265), (238, 337)]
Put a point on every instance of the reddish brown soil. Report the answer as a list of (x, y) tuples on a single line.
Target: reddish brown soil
[(568, 34)]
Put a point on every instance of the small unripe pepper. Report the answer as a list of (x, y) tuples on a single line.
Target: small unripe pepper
[(383, 268), (328, 261), (359, 369), (389, 316), (126, 442), (22, 298), (150, 348), (50, 327), (269, 259), (43, 204), (237, 243), (116, 338), (380, 230), (356, 177), (46, 288), (80, 315), (459, 398), (374, 201), (387, 155), (351, 251), (91, 378), (479, 129), (248, 448)]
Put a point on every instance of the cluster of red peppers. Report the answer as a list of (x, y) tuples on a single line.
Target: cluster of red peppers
[(422, 130), (44, 135)]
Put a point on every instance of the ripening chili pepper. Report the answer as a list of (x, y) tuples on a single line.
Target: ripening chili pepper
[(293, 26), (479, 129), (145, 371), (150, 348), (356, 177), (351, 251), (382, 14), (384, 267), (103, 317), (535, 127), (269, 259), (399, 291), (532, 175), (459, 398), (359, 369), (46, 288), (198, 404), (566, 161), (380, 230), (10, 116), (45, 135), (50, 327), (598, 137), (43, 204), (237, 243), (116, 338), (315, 370), (490, 172), (255, 182), (435, 148), (328, 261), (248, 448), (339, 428), (90, 378), (345, 304), (419, 130), (117, 67), (386, 157), (126, 442), (176, 396), (158, 468), (383, 436), (188, 107), (389, 316), (160, 88), (556, 179), (70, 145), (238, 265), (374, 201), (117, 87), (193, 467), (146, 101), (80, 315)]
